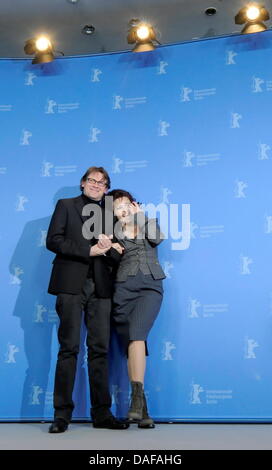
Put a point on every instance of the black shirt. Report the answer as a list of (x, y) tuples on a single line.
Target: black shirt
[(88, 200)]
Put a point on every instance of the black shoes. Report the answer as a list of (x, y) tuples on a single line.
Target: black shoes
[(144, 421), (110, 423), (59, 425)]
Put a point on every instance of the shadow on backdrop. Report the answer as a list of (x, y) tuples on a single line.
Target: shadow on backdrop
[(30, 267)]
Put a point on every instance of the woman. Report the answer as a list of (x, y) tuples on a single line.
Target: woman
[(138, 292)]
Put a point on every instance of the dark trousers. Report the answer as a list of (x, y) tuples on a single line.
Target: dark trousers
[(97, 320)]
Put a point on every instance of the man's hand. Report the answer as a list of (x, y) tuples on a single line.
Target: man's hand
[(104, 241), (96, 251)]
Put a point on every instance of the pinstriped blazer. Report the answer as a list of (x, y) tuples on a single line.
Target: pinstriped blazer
[(152, 236)]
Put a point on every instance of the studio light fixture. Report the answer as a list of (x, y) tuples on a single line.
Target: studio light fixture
[(142, 35), (252, 15), (41, 47), (211, 11), (88, 29)]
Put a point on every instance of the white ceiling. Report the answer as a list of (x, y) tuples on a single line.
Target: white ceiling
[(174, 21)]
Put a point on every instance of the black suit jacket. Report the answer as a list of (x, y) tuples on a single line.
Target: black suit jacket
[(72, 261)]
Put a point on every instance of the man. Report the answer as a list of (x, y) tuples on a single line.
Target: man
[(81, 279)]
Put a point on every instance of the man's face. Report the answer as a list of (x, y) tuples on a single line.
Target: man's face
[(95, 186)]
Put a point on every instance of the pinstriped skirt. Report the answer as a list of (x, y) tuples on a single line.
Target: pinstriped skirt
[(136, 304)]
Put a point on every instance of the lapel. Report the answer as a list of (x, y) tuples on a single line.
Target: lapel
[(79, 204)]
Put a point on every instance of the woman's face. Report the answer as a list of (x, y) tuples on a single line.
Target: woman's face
[(122, 208)]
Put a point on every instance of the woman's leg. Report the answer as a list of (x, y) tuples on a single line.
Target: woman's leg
[(136, 370), (136, 361)]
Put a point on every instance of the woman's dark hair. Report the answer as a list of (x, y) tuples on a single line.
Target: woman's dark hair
[(94, 169), (118, 193)]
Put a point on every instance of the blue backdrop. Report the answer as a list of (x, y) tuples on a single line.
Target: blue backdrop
[(185, 124)]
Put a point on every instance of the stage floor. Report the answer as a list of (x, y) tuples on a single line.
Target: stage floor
[(35, 436)]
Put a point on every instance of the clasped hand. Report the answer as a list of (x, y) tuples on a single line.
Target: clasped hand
[(104, 244)]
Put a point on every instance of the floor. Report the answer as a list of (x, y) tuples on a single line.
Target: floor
[(181, 436)]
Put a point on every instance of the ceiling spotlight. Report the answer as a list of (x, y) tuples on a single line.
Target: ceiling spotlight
[(142, 35), (88, 29), (41, 47), (211, 11), (253, 13), (42, 44), (252, 16), (142, 32)]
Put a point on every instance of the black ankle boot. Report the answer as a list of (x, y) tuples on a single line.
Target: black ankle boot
[(146, 422), (135, 412)]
